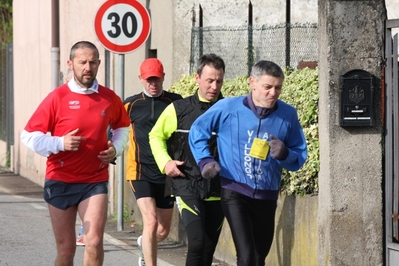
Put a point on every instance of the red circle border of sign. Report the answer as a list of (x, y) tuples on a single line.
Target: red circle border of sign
[(122, 48)]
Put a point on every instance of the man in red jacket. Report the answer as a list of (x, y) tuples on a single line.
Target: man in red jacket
[(77, 115)]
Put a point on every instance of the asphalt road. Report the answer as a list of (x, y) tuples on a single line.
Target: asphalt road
[(26, 237)]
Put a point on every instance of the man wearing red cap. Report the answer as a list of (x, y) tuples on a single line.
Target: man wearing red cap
[(143, 175)]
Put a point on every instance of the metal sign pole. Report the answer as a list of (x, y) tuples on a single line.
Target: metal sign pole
[(121, 161), (122, 27)]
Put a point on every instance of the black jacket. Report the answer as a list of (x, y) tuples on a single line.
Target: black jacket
[(144, 112), (193, 184)]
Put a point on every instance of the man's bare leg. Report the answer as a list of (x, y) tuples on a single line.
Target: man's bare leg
[(156, 226), (93, 212), (164, 221), (63, 223)]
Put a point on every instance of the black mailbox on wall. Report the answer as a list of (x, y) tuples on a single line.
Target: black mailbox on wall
[(356, 98)]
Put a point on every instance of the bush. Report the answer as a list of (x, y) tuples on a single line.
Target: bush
[(301, 91)]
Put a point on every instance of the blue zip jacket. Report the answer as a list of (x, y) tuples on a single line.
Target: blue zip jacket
[(236, 124)]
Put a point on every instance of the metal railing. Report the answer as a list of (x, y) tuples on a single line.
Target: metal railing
[(6, 94)]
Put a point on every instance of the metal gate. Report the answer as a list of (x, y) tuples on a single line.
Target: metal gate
[(392, 144)]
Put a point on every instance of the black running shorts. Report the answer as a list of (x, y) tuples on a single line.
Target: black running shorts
[(143, 188), (64, 195)]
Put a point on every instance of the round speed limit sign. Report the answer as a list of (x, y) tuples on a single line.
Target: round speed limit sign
[(122, 26)]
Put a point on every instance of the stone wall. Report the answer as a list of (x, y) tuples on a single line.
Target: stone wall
[(350, 217), (295, 238)]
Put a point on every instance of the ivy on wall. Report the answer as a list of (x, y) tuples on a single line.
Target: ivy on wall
[(6, 21), (300, 89)]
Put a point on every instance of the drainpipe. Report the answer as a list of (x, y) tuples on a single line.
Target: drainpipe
[(55, 44), (383, 103)]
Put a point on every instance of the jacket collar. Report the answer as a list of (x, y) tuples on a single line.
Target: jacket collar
[(258, 111)]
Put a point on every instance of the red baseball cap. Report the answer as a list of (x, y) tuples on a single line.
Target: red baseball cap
[(151, 67)]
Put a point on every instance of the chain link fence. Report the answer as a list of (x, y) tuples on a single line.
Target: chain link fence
[(241, 46)]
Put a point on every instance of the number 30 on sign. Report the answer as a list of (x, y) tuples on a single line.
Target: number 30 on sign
[(122, 26)]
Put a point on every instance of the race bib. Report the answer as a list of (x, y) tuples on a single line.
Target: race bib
[(259, 149)]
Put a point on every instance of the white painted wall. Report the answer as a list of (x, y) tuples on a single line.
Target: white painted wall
[(32, 27)]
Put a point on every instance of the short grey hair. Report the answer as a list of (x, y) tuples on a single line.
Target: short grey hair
[(264, 67)]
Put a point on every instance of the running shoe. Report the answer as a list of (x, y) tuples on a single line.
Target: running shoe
[(141, 258), (80, 241)]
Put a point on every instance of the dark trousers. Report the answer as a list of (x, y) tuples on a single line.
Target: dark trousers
[(252, 226), (203, 222)]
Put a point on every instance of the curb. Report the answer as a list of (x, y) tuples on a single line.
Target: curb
[(127, 247)]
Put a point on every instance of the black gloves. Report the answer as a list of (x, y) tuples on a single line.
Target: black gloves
[(210, 170), (277, 149)]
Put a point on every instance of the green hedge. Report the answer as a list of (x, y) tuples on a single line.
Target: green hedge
[(300, 90)]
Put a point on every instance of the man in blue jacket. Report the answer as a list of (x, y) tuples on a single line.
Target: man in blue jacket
[(257, 136)]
